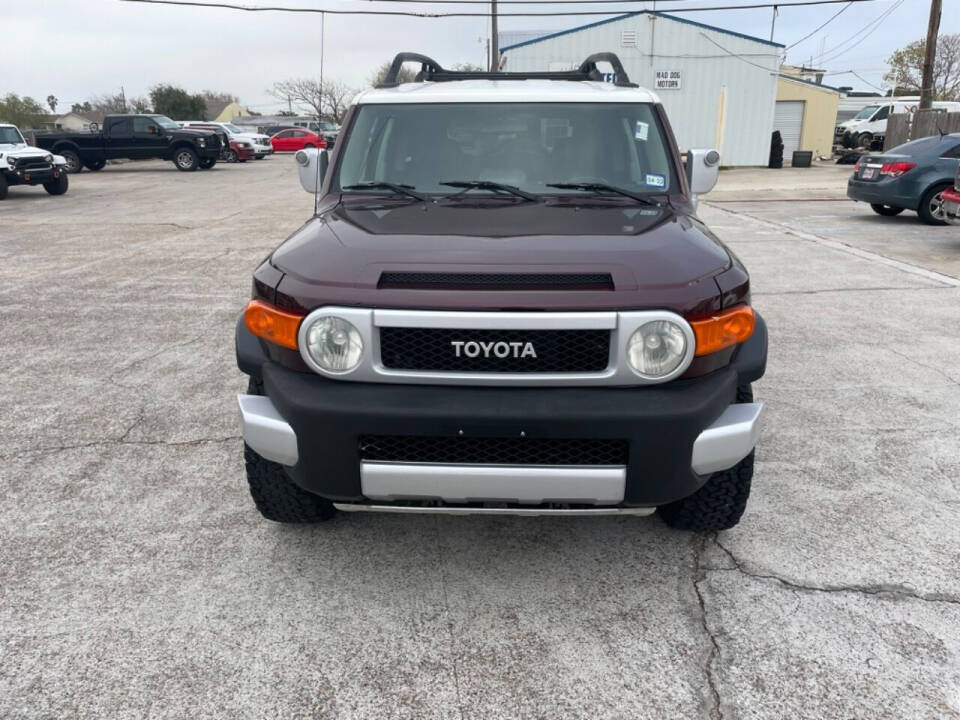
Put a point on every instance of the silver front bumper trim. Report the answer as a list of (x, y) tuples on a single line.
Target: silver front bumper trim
[(728, 440), (265, 430), (523, 484), (722, 445), (453, 510)]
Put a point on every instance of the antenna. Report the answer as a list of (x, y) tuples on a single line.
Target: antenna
[(316, 160)]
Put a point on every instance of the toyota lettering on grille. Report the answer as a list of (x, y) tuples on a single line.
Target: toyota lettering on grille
[(498, 349)]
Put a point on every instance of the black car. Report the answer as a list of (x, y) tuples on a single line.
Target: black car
[(136, 137)]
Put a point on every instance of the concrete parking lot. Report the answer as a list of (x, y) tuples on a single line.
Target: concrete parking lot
[(138, 581)]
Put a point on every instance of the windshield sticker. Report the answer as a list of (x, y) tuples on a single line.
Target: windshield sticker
[(641, 130), (656, 180)]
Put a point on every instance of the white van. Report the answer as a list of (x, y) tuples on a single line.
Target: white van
[(871, 123)]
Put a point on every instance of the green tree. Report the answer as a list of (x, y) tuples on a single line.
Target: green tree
[(24, 112), (81, 107), (380, 74), (177, 104), (906, 68)]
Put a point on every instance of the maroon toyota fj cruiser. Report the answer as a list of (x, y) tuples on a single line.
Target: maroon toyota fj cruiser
[(504, 303)]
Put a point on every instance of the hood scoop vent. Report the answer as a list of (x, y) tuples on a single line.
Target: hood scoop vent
[(494, 281)]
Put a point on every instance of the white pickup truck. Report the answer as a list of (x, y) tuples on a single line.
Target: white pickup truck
[(21, 164)]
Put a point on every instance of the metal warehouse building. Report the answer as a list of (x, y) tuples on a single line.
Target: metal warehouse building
[(719, 87)]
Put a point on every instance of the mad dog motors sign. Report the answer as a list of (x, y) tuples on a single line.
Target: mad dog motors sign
[(667, 80)]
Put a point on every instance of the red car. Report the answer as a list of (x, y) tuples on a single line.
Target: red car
[(296, 139)]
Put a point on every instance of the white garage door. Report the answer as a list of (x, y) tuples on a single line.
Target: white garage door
[(788, 119)]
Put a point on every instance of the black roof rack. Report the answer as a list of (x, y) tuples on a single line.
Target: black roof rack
[(431, 70)]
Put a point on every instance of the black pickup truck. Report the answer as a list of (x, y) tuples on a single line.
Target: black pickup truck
[(136, 137)]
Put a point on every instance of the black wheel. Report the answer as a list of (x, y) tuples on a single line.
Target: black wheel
[(309, 145), (864, 140), (276, 496), (931, 205), (720, 503), (95, 165), (185, 159), (3, 186), (230, 156), (885, 210), (57, 186), (207, 163), (74, 165), (259, 157)]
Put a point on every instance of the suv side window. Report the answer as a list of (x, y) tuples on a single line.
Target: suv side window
[(121, 127), (953, 152), (143, 125)]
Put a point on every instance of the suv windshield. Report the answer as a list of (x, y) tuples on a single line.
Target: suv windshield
[(10, 135), (525, 145), (165, 122), (866, 112)]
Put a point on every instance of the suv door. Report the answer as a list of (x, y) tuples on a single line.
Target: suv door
[(118, 138), (149, 139)]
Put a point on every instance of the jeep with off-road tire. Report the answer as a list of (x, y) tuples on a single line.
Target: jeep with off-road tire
[(21, 164), (504, 303)]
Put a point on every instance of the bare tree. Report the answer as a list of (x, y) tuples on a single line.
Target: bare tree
[(139, 105), (906, 68), (52, 103), (212, 96), (109, 103), (304, 92), (336, 100)]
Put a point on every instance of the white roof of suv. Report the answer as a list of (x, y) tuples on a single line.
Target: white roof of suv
[(507, 91)]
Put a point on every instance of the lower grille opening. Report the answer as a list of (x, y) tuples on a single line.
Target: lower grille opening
[(493, 450)]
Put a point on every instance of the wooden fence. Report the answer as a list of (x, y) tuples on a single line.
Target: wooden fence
[(902, 127)]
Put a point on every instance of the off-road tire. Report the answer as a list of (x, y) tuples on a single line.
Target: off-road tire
[(720, 503), (185, 159), (276, 496), (207, 163), (74, 164), (57, 186), (95, 165), (885, 210), (3, 186), (925, 211)]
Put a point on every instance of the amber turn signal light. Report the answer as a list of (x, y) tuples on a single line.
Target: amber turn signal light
[(272, 324), (723, 329)]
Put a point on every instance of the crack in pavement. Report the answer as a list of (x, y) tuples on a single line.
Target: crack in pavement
[(881, 590), (699, 575), (933, 368), (116, 441)]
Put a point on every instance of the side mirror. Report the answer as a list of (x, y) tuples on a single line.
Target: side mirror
[(703, 168), (312, 165)]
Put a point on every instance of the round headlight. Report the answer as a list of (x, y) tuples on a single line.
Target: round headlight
[(657, 348), (334, 344)]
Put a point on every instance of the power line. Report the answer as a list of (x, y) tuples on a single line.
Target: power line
[(869, 28), (411, 13), (840, 12)]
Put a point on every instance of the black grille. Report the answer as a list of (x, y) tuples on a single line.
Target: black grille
[(558, 351), (493, 450), (497, 281), (32, 163)]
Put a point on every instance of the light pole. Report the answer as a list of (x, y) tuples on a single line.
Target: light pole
[(494, 40)]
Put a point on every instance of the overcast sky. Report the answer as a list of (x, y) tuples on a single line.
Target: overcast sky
[(77, 48)]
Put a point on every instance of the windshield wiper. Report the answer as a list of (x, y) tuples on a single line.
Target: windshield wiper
[(399, 189), (489, 185), (602, 187)]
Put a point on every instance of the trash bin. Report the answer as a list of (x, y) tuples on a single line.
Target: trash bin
[(802, 158)]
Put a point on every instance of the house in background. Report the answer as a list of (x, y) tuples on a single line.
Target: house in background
[(718, 86), (225, 111), (806, 111)]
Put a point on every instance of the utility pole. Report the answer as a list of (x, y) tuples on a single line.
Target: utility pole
[(123, 98), (494, 40), (930, 55), (773, 22)]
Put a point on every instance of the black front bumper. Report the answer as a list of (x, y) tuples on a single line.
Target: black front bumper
[(660, 423), (32, 176)]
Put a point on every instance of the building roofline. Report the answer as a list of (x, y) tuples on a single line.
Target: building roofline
[(787, 76), (634, 14)]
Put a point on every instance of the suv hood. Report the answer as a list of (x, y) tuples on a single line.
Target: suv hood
[(656, 257)]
